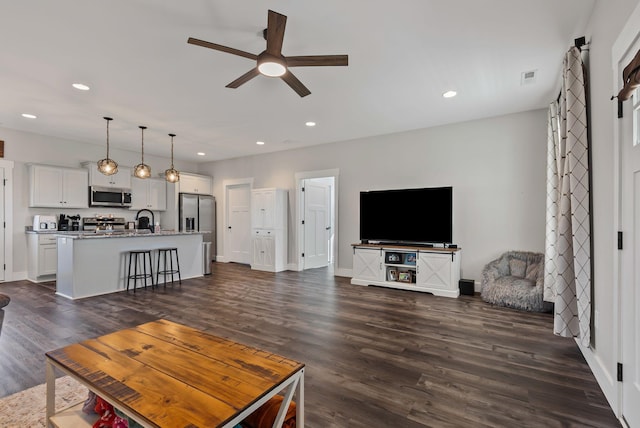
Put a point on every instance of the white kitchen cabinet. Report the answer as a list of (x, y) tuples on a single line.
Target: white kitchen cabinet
[(58, 187), (42, 262), (150, 193), (431, 270), (194, 183), (264, 251), (119, 180), (269, 229), (268, 208)]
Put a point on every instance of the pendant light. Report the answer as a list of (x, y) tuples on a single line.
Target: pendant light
[(142, 170), (171, 174), (107, 166)]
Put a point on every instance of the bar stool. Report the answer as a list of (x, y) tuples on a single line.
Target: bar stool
[(135, 257), (164, 253)]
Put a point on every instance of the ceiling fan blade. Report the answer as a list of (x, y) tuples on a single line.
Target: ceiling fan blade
[(317, 60), (276, 24), (295, 84), (244, 78), (221, 48)]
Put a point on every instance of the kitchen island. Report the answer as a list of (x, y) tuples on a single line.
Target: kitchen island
[(91, 264)]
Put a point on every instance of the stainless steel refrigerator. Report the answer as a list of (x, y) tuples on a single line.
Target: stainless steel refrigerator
[(198, 213)]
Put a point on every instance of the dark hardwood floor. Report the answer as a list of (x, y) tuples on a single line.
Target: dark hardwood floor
[(375, 357)]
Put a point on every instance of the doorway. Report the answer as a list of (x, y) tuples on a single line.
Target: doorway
[(6, 220), (237, 222), (627, 205), (316, 218)]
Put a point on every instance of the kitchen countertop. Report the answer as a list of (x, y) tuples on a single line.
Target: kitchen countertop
[(114, 234)]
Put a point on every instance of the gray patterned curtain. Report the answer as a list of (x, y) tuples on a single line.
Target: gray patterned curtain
[(568, 238)]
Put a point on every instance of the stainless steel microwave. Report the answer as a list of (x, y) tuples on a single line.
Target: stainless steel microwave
[(109, 197)]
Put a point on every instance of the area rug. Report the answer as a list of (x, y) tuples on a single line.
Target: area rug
[(28, 408)]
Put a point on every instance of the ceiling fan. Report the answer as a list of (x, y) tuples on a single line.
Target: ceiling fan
[(271, 62)]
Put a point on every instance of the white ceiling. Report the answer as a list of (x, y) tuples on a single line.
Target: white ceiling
[(402, 56)]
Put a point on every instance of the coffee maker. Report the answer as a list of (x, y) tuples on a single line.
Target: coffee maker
[(74, 222)]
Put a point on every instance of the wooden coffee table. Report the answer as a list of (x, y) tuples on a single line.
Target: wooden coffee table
[(164, 374)]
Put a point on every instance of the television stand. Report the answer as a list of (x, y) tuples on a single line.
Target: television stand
[(408, 267)]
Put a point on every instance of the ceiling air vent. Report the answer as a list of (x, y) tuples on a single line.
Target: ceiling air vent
[(528, 77)]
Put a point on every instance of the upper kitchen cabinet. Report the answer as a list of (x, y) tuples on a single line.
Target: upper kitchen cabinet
[(150, 193), (119, 180), (58, 187), (269, 208), (194, 183)]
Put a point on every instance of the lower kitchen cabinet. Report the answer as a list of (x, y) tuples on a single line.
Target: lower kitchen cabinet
[(42, 263), (269, 250)]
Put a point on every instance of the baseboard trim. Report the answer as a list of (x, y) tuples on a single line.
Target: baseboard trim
[(605, 379)]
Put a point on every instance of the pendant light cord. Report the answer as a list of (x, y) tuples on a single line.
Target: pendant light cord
[(142, 128), (172, 135), (108, 119)]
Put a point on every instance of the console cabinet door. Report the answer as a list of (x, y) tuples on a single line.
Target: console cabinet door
[(367, 264), (434, 271)]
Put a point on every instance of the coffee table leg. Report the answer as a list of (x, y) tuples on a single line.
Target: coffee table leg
[(300, 401), (51, 392), (296, 387)]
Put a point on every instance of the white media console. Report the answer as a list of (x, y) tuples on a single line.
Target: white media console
[(426, 269)]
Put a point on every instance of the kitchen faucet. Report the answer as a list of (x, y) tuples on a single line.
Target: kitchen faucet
[(153, 223)]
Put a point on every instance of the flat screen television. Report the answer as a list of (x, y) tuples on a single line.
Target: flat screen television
[(410, 216)]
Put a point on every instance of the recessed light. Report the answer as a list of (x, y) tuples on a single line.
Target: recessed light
[(450, 94), (260, 143), (81, 86), (201, 153), (29, 116), (310, 123)]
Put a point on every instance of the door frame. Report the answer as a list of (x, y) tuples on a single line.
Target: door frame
[(299, 230), (8, 166), (226, 184), (629, 35)]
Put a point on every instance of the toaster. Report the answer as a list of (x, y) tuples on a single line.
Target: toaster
[(44, 222)]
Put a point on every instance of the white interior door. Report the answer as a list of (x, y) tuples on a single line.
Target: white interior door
[(629, 140), (238, 228), (317, 222)]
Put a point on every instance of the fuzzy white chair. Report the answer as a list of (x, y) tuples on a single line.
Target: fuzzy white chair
[(516, 280)]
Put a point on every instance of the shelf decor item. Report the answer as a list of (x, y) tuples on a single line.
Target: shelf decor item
[(410, 259), (107, 166), (142, 170), (404, 276), (392, 274), (394, 258), (171, 175)]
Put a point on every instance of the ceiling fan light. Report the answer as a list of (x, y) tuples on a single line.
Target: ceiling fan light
[(272, 69), (271, 65)]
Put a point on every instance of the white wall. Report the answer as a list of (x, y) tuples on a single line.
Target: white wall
[(24, 147), (496, 166)]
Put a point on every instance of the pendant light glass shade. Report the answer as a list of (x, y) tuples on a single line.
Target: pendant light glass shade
[(171, 175), (142, 170), (107, 166)]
